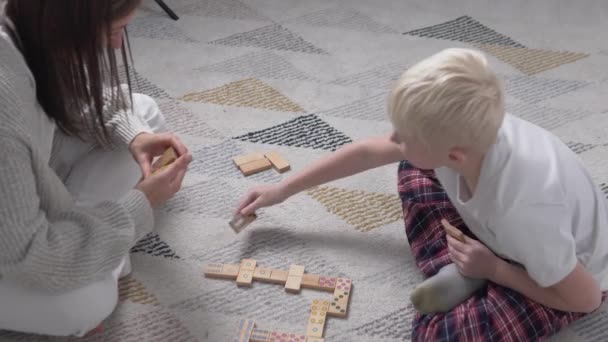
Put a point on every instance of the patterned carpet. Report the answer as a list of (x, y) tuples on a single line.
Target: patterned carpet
[(304, 78)]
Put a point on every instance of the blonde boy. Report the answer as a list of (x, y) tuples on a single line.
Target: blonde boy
[(534, 221)]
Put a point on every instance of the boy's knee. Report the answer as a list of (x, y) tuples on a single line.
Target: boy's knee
[(147, 108)]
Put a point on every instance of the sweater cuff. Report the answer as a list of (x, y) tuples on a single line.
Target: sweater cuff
[(127, 131), (139, 207)]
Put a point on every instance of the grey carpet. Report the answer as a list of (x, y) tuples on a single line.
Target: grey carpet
[(304, 78)]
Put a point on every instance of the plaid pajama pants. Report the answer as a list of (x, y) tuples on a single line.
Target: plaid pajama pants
[(494, 313)]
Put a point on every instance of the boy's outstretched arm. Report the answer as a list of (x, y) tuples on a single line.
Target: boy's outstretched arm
[(578, 292), (346, 161)]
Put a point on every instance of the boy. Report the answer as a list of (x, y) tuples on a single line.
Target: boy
[(535, 224)]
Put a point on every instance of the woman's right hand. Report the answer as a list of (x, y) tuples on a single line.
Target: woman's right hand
[(161, 186), (261, 196)]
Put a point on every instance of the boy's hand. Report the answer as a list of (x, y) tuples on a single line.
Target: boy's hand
[(473, 259), (261, 196)]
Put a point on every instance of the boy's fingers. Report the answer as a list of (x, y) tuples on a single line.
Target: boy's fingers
[(446, 224), (247, 201), (250, 209), (456, 254), (453, 231), (243, 202), (455, 243)]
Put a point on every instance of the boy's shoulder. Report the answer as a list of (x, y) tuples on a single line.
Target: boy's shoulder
[(527, 165)]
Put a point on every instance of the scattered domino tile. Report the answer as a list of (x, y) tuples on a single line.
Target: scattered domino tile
[(279, 163), (262, 273), (255, 166), (240, 222), (245, 330), (245, 276), (259, 335), (240, 160), (168, 157), (339, 305), (279, 276), (226, 271), (327, 282), (294, 278), (316, 282), (318, 316), (276, 336), (248, 271)]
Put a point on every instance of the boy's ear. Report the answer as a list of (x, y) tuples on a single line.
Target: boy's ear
[(457, 155), (395, 137)]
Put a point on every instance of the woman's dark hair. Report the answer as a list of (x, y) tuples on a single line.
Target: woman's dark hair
[(66, 44)]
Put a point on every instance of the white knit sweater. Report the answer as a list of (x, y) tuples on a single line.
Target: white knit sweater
[(46, 241)]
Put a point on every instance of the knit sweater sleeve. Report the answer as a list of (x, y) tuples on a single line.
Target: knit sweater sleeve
[(125, 125), (122, 124), (66, 246)]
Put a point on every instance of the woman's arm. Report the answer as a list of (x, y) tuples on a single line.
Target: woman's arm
[(63, 247)]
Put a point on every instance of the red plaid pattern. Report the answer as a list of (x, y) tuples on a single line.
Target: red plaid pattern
[(494, 313)]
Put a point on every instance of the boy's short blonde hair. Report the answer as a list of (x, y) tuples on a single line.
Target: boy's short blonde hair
[(451, 99)]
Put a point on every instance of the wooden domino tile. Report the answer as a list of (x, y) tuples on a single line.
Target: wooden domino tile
[(279, 163), (279, 276), (245, 275), (245, 330), (225, 271), (317, 282), (168, 157), (318, 316), (294, 278), (339, 305), (240, 160), (262, 274), (255, 166), (240, 222), (277, 336), (328, 282), (260, 335), (453, 231)]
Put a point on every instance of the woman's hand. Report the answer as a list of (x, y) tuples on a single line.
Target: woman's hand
[(145, 146), (162, 185)]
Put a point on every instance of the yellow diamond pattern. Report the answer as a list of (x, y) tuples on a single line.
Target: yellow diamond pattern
[(531, 61), (366, 211), (249, 92)]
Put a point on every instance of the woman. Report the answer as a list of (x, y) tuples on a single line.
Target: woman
[(74, 200)]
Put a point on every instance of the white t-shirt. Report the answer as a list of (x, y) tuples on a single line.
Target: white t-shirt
[(535, 204)]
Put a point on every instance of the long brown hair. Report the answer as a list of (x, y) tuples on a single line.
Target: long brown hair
[(66, 44)]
